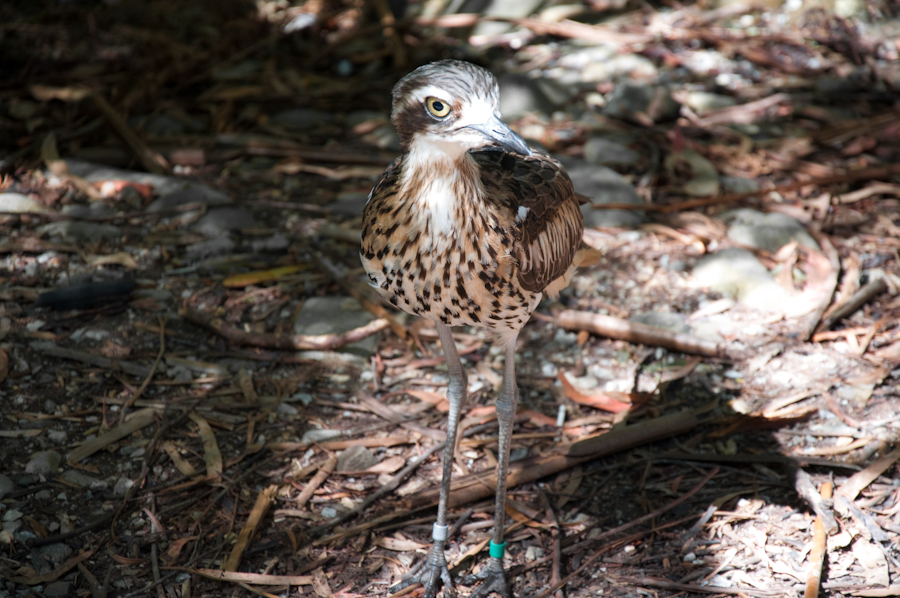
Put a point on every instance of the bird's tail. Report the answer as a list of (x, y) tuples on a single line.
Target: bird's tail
[(586, 256)]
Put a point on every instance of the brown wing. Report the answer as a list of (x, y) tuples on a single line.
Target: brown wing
[(538, 194), (381, 201)]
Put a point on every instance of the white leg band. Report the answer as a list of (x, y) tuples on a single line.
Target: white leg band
[(440, 532)]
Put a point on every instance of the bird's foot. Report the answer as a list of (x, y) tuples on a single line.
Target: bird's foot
[(492, 578), (430, 573)]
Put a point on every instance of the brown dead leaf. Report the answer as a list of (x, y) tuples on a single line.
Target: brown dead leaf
[(399, 544), (176, 546), (211, 453), (389, 465), (614, 402), (320, 584), (439, 401)]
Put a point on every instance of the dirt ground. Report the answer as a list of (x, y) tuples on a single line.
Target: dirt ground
[(175, 424)]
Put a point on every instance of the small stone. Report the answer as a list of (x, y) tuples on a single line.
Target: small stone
[(20, 204), (6, 485), (599, 150), (79, 230), (221, 220), (736, 184), (348, 204), (12, 515), (57, 436), (703, 101), (76, 478), (355, 458), (276, 242), (521, 95), (57, 552), (737, 273), (769, 232), (329, 512), (604, 185), (334, 315), (43, 463), (638, 101), (122, 486), (57, 589), (564, 338)]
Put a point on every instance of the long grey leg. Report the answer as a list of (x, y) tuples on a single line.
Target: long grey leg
[(434, 568), (492, 574)]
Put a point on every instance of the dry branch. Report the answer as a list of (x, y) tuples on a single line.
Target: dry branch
[(636, 332), (481, 484)]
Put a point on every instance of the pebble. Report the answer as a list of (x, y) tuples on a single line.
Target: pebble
[(317, 435), (521, 95), (604, 185), (219, 221), (355, 458), (6, 485), (81, 480), (334, 315), (769, 232), (600, 150), (57, 589), (738, 274), (20, 204), (629, 99), (56, 552), (79, 230), (329, 512), (56, 437), (122, 486), (43, 463)]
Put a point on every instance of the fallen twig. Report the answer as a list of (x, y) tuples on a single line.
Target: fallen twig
[(817, 552), (636, 332), (315, 482), (857, 300), (828, 286)]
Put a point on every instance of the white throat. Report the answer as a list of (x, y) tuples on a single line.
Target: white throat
[(432, 174)]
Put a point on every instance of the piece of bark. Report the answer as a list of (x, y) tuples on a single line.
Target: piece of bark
[(857, 300), (636, 332)]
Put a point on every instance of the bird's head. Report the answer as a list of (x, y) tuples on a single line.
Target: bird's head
[(451, 106)]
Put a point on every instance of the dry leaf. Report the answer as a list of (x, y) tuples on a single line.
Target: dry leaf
[(121, 258)]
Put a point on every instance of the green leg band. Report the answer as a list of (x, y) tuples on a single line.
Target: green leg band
[(497, 550)]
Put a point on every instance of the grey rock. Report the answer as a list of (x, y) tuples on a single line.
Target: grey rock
[(203, 250), (92, 210), (76, 478), (57, 436), (6, 485), (20, 204), (704, 179), (630, 99), (350, 204), (122, 486), (57, 589), (79, 230), (43, 463), (57, 553), (769, 232), (600, 150), (12, 515), (738, 274), (286, 411), (521, 95), (355, 458), (197, 194), (329, 512), (276, 242), (221, 220), (604, 185), (620, 66), (334, 315), (511, 9), (301, 118), (736, 184), (666, 320)]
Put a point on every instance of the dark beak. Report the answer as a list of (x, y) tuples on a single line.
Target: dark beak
[(497, 131)]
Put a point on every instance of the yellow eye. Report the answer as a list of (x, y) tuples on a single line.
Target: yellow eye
[(436, 107)]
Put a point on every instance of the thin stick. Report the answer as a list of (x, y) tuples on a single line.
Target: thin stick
[(316, 481), (817, 553)]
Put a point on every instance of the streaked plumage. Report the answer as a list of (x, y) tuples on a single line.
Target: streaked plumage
[(468, 227), (468, 239)]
